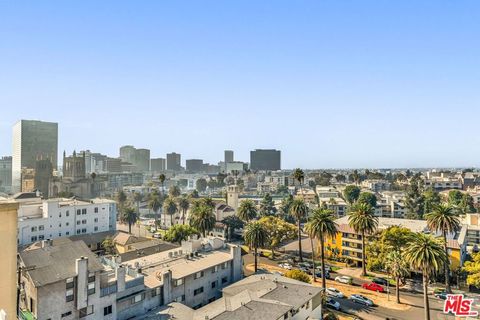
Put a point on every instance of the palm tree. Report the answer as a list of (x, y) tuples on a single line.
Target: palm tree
[(398, 268), (203, 219), (362, 219), (299, 175), (174, 191), (255, 235), (137, 198), (299, 211), (183, 204), (162, 178), (321, 224), (155, 203), (169, 207), (425, 253), (444, 218), (121, 200), (130, 217), (247, 210)]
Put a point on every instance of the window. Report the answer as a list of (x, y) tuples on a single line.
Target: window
[(60, 215), (78, 231), (84, 211), (33, 239), (95, 228), (69, 295), (41, 237), (107, 310), (85, 311), (95, 220), (67, 224), (180, 299), (91, 278), (67, 213), (59, 234), (70, 283), (214, 284), (224, 280), (198, 275), (66, 314), (79, 212), (84, 230), (59, 225), (178, 282), (84, 221), (78, 222), (95, 210), (137, 298), (67, 233), (214, 269), (156, 292), (41, 228), (91, 288), (33, 229), (224, 265), (198, 291)]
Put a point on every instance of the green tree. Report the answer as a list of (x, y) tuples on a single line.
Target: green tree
[(194, 194), (299, 210), (362, 219), (174, 191), (351, 194), (299, 175), (472, 268), (121, 201), (425, 253), (444, 219), (203, 219), (129, 216), (154, 204), (414, 199), (285, 208), (183, 205), (232, 223), (108, 245), (278, 231), (170, 207), (179, 232), (255, 236), (454, 197), (247, 210), (431, 198), (297, 275), (267, 207), (394, 238), (368, 198), (340, 178), (137, 198), (466, 204), (162, 178), (398, 268), (201, 185), (321, 225)]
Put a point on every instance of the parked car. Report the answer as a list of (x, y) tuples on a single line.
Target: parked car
[(358, 298), (373, 287), (334, 292), (344, 279), (318, 274), (285, 265), (441, 295), (330, 303), (438, 290), (380, 281), (157, 235), (303, 269), (305, 264)]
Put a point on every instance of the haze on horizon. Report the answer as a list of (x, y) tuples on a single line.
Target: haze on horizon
[(331, 84)]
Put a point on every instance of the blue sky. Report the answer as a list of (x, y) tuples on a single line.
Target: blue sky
[(330, 83)]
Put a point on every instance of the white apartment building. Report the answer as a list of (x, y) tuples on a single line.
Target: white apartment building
[(49, 219)]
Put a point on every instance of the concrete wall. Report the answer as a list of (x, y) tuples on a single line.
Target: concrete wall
[(8, 258)]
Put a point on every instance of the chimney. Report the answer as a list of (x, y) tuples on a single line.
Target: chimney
[(120, 273)]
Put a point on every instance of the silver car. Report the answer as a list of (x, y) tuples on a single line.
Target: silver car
[(358, 298), (334, 292)]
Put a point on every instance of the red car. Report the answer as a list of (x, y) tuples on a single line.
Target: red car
[(373, 287)]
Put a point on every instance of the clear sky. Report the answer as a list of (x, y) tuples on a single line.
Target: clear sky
[(330, 83)]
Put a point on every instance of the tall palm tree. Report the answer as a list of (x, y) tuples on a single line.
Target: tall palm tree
[(174, 191), (425, 253), (299, 175), (321, 224), (162, 178), (203, 219), (121, 200), (362, 219), (398, 268), (184, 204), (299, 210), (155, 203), (247, 210), (137, 198), (130, 217), (169, 207), (255, 235), (444, 218)]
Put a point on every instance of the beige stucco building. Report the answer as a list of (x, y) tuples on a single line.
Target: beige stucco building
[(8, 257)]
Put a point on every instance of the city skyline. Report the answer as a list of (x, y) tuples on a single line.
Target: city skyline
[(332, 85)]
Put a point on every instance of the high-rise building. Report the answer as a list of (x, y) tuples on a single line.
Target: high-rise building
[(228, 156), (140, 158), (194, 165), (32, 140), (43, 175), (173, 161), (265, 159), (5, 174), (74, 167), (94, 162), (157, 165)]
